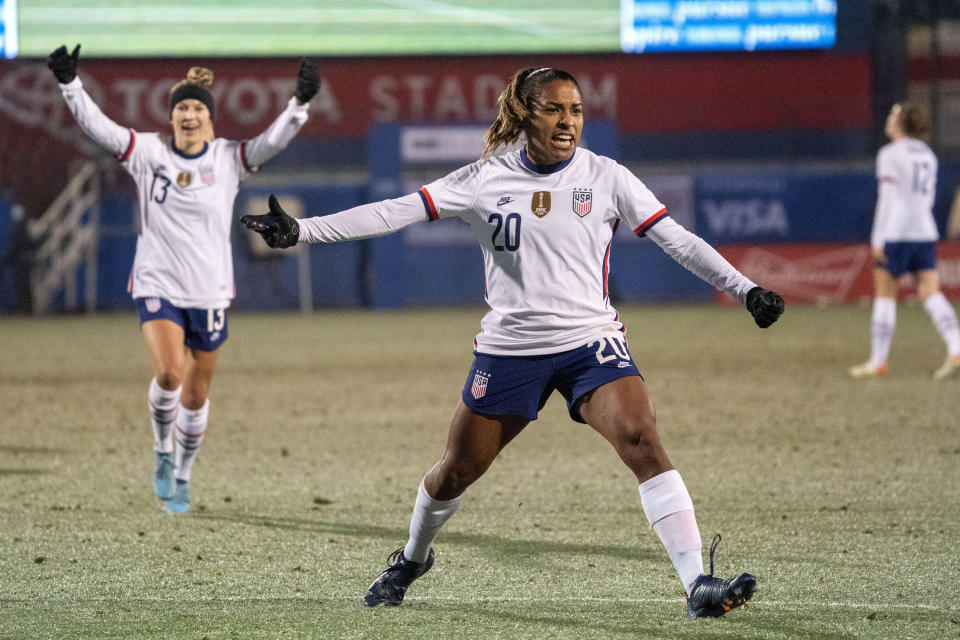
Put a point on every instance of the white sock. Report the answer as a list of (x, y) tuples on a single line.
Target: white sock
[(945, 319), (882, 324), (428, 516), (669, 509), (191, 425), (163, 406)]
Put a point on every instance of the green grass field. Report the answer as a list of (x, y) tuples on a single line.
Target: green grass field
[(125, 28), (843, 496)]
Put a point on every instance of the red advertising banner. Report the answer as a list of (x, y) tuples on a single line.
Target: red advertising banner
[(829, 273), (777, 91), (753, 92)]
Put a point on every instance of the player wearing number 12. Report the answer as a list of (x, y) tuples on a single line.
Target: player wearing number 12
[(182, 276), (904, 240), (544, 217)]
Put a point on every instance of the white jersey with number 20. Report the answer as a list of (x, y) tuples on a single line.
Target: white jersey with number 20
[(546, 239), (546, 234)]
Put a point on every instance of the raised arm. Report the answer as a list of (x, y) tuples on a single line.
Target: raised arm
[(101, 129), (279, 134)]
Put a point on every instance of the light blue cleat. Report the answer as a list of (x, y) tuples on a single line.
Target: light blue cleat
[(180, 502), (163, 476)]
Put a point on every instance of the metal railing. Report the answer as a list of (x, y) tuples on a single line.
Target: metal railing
[(64, 238)]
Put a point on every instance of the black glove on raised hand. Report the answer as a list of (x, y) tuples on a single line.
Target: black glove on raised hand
[(308, 81), (765, 306), (277, 228), (63, 64)]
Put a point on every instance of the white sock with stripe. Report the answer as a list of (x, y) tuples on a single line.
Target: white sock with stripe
[(882, 323), (428, 516), (945, 319), (191, 425), (164, 406), (669, 509)]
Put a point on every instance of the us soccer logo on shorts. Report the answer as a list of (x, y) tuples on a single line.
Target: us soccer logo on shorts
[(153, 305), (540, 204), (184, 178), (582, 202), (479, 387)]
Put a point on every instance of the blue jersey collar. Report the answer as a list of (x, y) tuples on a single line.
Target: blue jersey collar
[(544, 168), (189, 156)]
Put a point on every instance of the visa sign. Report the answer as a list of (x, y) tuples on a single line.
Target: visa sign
[(745, 218)]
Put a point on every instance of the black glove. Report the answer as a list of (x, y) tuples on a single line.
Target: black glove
[(765, 306), (64, 65), (308, 81), (277, 228)]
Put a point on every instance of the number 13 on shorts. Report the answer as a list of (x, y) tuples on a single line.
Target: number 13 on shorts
[(215, 320)]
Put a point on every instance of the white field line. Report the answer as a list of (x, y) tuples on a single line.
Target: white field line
[(495, 600)]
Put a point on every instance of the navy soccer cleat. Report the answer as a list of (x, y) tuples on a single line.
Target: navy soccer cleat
[(391, 585), (712, 597)]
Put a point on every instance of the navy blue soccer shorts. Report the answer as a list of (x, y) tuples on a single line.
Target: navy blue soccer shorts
[(520, 385), (203, 329), (909, 257)]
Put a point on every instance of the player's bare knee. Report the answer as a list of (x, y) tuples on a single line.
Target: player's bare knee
[(452, 480), (168, 380)]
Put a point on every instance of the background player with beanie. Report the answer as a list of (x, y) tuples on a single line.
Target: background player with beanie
[(182, 275)]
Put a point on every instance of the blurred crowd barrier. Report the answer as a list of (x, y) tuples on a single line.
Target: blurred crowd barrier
[(802, 233)]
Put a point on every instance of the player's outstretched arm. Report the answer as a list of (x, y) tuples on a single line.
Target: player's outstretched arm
[(765, 306), (278, 229), (63, 64)]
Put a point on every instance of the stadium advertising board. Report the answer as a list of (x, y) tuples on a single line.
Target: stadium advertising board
[(812, 92), (829, 273)]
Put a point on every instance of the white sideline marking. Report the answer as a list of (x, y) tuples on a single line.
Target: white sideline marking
[(504, 599)]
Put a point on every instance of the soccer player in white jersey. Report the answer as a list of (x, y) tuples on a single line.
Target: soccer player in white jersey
[(904, 240), (545, 217), (182, 276)]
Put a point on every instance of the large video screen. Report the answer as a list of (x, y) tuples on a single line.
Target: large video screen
[(232, 28), (8, 29), (176, 28), (727, 25)]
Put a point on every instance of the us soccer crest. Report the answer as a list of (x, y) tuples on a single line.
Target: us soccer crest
[(479, 387), (540, 203), (184, 178), (582, 201)]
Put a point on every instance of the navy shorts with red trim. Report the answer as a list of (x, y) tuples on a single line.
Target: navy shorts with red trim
[(203, 329), (520, 385), (909, 257)]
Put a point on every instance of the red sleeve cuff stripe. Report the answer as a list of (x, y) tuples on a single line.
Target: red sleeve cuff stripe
[(243, 157), (652, 220), (889, 179), (428, 204), (126, 154)]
